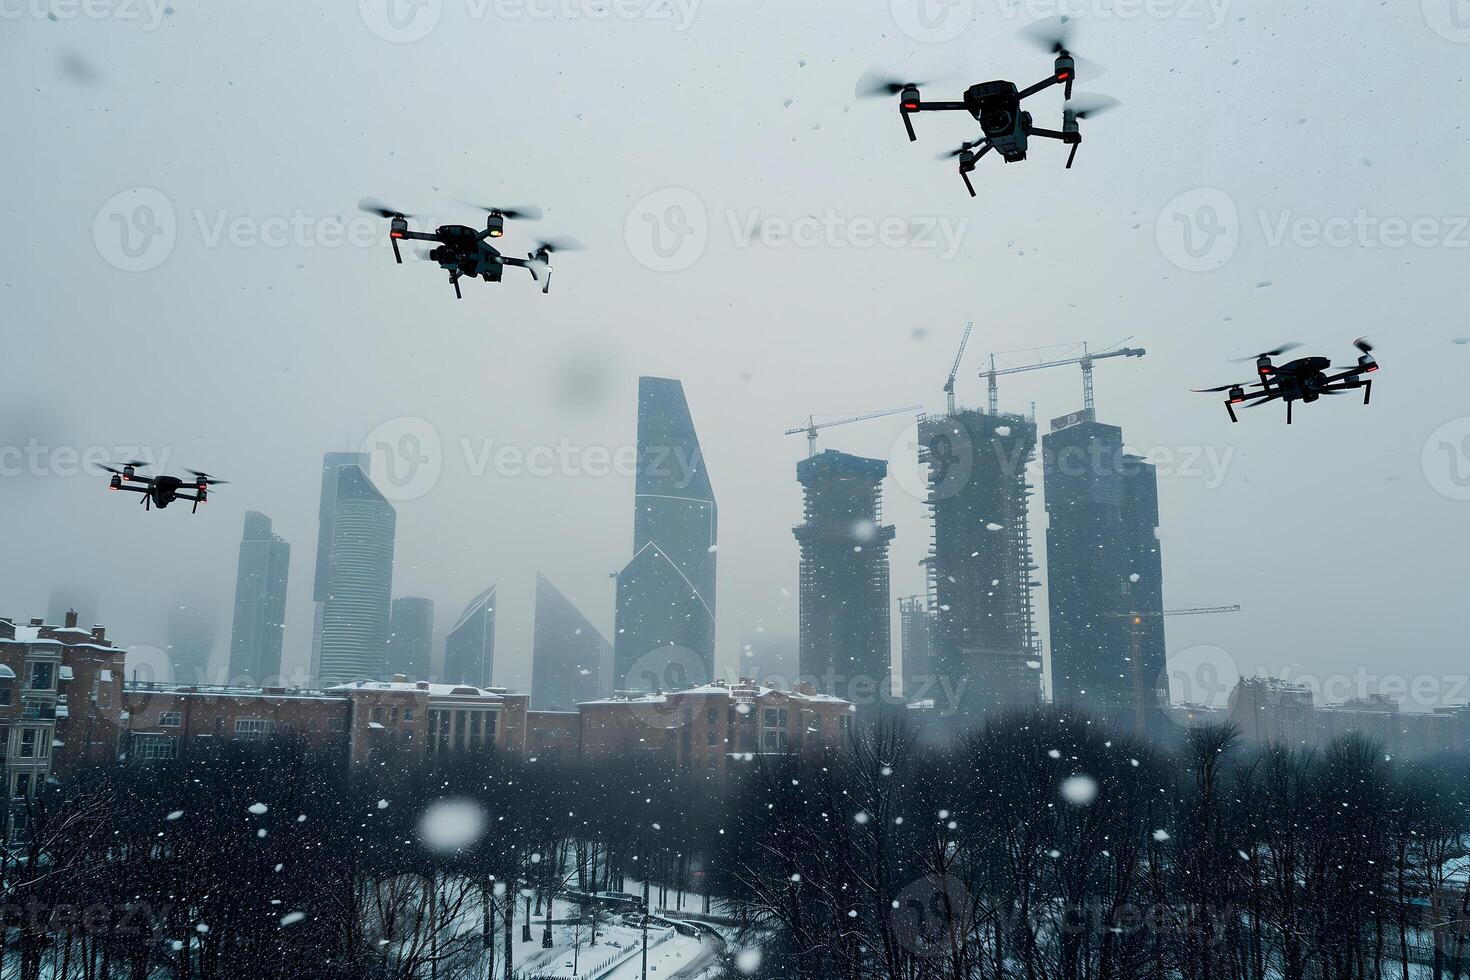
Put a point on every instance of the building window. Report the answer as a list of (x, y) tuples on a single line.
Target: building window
[(251, 729), (491, 719), (42, 676), (475, 729), (712, 738), (459, 729), (376, 714), (773, 734), (408, 714), (102, 693), (27, 743), (170, 719), (712, 717), (22, 786), (154, 748), (335, 724), (5, 694)]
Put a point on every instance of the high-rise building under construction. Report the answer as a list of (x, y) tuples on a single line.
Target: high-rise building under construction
[(983, 649), (1104, 572), (845, 642)]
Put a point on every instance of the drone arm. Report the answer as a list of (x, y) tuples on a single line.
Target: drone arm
[(905, 111), (1040, 86), (124, 486)]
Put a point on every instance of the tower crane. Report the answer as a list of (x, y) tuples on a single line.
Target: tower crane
[(1135, 619), (812, 425), (1085, 362), (954, 368)]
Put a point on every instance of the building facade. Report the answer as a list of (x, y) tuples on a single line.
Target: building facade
[(469, 647), (984, 653), (845, 639), (258, 631), (1105, 573), (665, 619), (411, 637), (570, 659), (357, 586)]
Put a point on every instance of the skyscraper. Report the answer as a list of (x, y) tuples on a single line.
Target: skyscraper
[(356, 584), (915, 625), (983, 643), (570, 659), (260, 603), (845, 642), (191, 626), (666, 593), (1103, 563), (411, 637), (469, 647)]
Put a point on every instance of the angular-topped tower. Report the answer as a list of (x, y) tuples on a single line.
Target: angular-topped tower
[(469, 647), (260, 603), (666, 593), (356, 604), (570, 659)]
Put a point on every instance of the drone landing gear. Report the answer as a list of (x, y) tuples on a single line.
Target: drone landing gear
[(1288, 411), (1230, 407), (967, 163), (1074, 139), (454, 281), (1367, 390)]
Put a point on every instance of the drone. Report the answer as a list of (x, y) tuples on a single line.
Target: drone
[(160, 491), (464, 251), (996, 105), (1304, 379)]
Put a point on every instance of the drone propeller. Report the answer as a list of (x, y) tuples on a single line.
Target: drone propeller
[(549, 245), (1086, 106), (1217, 388), (874, 84), (951, 154), (372, 205), (1267, 353), (1362, 344), (1054, 35), (524, 212), (205, 478)]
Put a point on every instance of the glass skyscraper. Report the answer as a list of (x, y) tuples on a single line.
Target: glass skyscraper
[(569, 657), (665, 625), (260, 603), (411, 637), (469, 647), (355, 584)]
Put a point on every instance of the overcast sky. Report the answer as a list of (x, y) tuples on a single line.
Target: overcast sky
[(226, 325)]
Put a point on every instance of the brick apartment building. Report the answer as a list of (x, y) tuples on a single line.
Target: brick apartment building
[(64, 703)]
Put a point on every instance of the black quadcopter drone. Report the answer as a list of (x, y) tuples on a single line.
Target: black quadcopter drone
[(1304, 379), (160, 491), (464, 251), (996, 105)]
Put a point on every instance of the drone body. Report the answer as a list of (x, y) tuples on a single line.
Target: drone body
[(996, 105), (1305, 380), (160, 491), (464, 251)]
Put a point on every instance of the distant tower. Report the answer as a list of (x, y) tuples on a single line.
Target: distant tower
[(983, 645), (71, 597), (665, 623), (357, 584), (331, 463), (469, 647), (845, 642), (191, 627), (915, 628), (1103, 562), (411, 637), (260, 603), (570, 659)]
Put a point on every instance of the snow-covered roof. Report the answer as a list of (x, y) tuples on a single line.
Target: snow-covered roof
[(433, 690)]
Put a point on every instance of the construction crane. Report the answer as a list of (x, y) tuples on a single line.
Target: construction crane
[(812, 425), (1085, 361), (1135, 656), (954, 368)]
